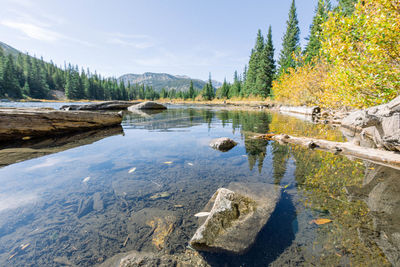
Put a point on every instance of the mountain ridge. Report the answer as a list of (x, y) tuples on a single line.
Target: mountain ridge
[(165, 80)]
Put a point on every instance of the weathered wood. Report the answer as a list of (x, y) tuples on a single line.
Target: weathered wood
[(108, 105), (26, 123), (301, 110), (383, 157)]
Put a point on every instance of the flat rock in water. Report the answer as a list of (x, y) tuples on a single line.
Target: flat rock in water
[(107, 105), (24, 123), (147, 105), (223, 144), (236, 217)]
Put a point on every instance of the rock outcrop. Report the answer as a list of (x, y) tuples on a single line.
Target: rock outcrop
[(380, 123), (26, 123), (107, 105), (236, 216), (146, 105), (223, 144)]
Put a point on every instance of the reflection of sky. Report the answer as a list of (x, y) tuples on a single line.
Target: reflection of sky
[(111, 158)]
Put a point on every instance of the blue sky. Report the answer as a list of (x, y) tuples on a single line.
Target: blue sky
[(185, 37)]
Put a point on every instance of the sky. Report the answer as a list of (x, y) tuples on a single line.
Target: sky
[(180, 37)]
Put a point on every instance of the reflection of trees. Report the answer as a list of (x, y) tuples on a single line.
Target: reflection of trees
[(323, 177), (281, 154), (256, 151), (172, 118)]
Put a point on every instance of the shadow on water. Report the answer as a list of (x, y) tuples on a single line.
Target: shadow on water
[(274, 238)]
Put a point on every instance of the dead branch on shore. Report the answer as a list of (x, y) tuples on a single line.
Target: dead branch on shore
[(383, 157)]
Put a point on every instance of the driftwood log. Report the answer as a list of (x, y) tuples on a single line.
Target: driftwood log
[(312, 111), (26, 123), (383, 157)]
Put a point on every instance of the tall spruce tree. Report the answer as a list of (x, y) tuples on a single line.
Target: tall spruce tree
[(254, 63), (314, 40), (191, 90), (10, 80), (291, 41), (266, 68)]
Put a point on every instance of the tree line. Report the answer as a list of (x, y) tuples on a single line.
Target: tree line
[(351, 57), (25, 76)]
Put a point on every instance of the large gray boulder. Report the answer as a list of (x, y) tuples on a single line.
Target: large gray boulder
[(236, 216), (223, 144), (107, 105), (380, 123), (146, 105)]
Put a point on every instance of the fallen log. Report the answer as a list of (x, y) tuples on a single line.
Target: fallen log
[(27, 123), (301, 110), (382, 157)]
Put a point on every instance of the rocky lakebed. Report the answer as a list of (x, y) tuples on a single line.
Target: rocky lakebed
[(166, 190)]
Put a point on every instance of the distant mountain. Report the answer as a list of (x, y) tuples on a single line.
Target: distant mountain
[(164, 80), (9, 50)]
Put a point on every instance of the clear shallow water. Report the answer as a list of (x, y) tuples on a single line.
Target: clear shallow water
[(85, 204)]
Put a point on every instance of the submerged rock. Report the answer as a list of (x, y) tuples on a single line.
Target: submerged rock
[(380, 123), (85, 206), (150, 228), (236, 217), (147, 105), (223, 144), (148, 259)]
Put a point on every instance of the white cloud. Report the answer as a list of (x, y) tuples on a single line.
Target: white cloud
[(33, 31)]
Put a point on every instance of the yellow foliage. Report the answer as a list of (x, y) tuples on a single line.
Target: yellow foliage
[(360, 63), (364, 52), (302, 86)]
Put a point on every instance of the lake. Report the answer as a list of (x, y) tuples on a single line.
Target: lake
[(83, 198)]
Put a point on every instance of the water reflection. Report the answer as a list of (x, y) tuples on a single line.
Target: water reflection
[(381, 192), (12, 152), (83, 205)]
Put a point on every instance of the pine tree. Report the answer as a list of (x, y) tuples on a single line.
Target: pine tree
[(266, 68), (10, 80), (254, 63), (191, 90), (291, 41), (236, 86), (314, 41), (223, 91)]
